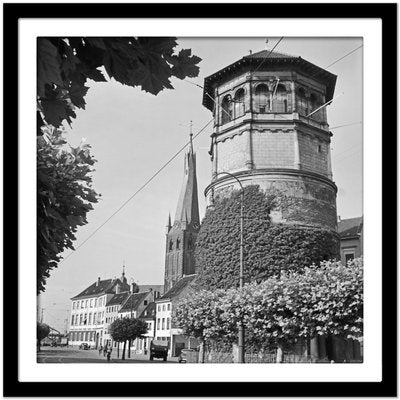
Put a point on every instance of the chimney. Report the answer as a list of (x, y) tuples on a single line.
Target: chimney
[(98, 281), (117, 289)]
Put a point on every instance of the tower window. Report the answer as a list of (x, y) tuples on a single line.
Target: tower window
[(239, 103), (279, 101), (178, 243), (262, 103), (319, 148), (302, 104), (171, 245), (227, 109)]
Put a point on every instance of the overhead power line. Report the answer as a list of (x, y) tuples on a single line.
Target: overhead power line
[(137, 191)]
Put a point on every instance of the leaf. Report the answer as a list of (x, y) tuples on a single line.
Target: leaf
[(77, 93), (48, 65), (55, 111), (184, 65), (95, 75)]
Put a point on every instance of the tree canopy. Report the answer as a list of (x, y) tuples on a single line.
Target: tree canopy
[(65, 65), (269, 248), (320, 300), (64, 197), (42, 331), (124, 329)]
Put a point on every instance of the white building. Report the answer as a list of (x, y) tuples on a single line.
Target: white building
[(165, 329), (88, 311)]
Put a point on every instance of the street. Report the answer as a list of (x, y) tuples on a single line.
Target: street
[(52, 355)]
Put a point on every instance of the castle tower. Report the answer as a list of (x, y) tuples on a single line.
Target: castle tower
[(181, 236), (269, 130)]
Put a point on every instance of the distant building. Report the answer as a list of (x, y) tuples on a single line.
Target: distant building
[(148, 315), (88, 310), (165, 330), (158, 290), (351, 238), (181, 236)]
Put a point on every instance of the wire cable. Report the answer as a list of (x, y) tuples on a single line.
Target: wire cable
[(268, 54), (137, 192)]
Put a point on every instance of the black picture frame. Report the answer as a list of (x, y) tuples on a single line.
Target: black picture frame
[(12, 12)]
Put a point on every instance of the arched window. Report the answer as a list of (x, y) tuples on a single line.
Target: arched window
[(262, 99), (171, 245), (178, 243), (279, 101), (314, 104), (239, 103), (227, 109), (302, 104)]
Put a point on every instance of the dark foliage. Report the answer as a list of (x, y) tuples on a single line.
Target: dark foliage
[(269, 248)]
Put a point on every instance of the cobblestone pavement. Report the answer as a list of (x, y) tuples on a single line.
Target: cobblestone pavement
[(74, 355)]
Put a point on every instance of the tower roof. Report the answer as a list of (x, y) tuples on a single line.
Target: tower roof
[(188, 204), (269, 59)]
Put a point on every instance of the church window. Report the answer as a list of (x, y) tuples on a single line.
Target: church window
[(262, 99), (279, 101), (171, 245), (226, 111), (72, 320), (178, 243), (239, 103)]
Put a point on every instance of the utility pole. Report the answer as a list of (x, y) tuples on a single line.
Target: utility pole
[(241, 346)]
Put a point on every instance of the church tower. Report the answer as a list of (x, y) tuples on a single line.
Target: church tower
[(181, 236), (271, 130)]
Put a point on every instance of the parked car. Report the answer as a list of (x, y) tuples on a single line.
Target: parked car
[(159, 349), (188, 355), (84, 346)]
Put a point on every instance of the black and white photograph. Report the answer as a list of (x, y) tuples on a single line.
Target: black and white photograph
[(245, 247), (199, 203)]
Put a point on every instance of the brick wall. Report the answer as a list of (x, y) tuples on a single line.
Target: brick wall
[(232, 153), (273, 149), (313, 154)]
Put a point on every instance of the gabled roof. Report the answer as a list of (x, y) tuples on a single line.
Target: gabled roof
[(133, 301), (101, 287), (350, 227), (177, 288), (117, 299), (149, 312), (268, 59), (270, 54)]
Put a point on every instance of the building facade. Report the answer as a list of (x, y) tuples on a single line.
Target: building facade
[(351, 238), (270, 129), (88, 311), (165, 328), (181, 236)]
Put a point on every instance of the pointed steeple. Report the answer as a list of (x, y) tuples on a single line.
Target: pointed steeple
[(169, 226), (123, 278), (188, 204)]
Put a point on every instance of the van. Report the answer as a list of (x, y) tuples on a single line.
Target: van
[(159, 349)]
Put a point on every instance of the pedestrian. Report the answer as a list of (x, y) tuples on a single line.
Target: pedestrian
[(105, 351), (100, 350), (109, 353)]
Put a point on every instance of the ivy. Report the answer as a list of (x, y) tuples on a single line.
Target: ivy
[(269, 248)]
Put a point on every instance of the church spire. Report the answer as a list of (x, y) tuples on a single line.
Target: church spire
[(188, 204)]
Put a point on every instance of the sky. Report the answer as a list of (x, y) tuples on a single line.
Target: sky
[(133, 134)]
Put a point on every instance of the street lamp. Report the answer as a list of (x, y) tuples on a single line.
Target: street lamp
[(241, 328)]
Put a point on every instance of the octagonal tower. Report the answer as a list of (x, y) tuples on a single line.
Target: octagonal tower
[(269, 131)]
